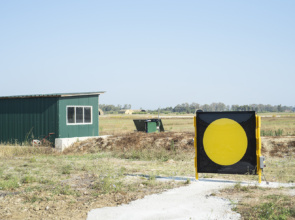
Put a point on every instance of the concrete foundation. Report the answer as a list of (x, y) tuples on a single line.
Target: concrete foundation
[(62, 143)]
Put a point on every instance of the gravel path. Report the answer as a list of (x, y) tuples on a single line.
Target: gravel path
[(194, 201), (188, 202)]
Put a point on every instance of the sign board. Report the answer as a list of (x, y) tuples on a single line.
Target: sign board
[(227, 142)]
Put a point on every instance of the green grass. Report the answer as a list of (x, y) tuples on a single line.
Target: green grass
[(239, 187), (66, 169), (278, 132), (28, 179), (9, 184), (108, 184)]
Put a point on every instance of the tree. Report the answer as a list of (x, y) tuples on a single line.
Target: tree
[(127, 106), (280, 109)]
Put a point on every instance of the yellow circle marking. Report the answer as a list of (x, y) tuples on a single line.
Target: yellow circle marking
[(225, 141)]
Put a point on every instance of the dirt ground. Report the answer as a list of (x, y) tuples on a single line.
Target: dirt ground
[(278, 146), (137, 140), (271, 146), (13, 205)]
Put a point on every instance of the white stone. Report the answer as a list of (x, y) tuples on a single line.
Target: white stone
[(62, 143)]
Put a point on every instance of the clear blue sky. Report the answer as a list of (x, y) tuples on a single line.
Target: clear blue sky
[(151, 53)]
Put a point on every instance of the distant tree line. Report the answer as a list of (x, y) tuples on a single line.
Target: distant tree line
[(191, 108), (113, 108), (215, 106)]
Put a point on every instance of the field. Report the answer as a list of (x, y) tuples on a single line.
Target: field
[(38, 183), (273, 124)]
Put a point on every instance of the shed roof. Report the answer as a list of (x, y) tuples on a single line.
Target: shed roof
[(52, 95)]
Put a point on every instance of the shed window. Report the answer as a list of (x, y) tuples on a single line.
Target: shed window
[(87, 115), (71, 115), (79, 115)]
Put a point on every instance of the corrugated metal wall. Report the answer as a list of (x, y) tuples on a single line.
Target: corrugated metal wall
[(84, 130), (20, 118)]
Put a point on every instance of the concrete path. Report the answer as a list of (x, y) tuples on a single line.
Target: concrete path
[(189, 202)]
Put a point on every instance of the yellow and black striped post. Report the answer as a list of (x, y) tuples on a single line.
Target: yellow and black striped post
[(195, 145), (258, 146)]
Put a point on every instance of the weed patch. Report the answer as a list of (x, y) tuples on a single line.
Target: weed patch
[(278, 132), (238, 187), (64, 190), (32, 198), (9, 184), (272, 203), (66, 169), (28, 179), (108, 184)]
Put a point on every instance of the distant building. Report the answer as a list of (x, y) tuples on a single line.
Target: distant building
[(100, 112), (129, 111)]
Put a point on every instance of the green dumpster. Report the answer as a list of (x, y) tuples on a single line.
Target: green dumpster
[(148, 125), (151, 126)]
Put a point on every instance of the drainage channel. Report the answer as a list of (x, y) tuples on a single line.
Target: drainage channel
[(177, 178)]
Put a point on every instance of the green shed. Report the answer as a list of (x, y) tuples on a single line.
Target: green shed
[(61, 118)]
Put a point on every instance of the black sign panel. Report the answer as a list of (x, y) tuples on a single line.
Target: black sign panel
[(226, 142)]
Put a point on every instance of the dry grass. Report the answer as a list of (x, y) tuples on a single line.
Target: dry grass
[(122, 124), (280, 169), (284, 123), (119, 124), (179, 124), (76, 182), (254, 202), (7, 151), (277, 170), (93, 174)]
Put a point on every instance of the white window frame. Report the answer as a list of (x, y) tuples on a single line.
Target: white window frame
[(79, 106)]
